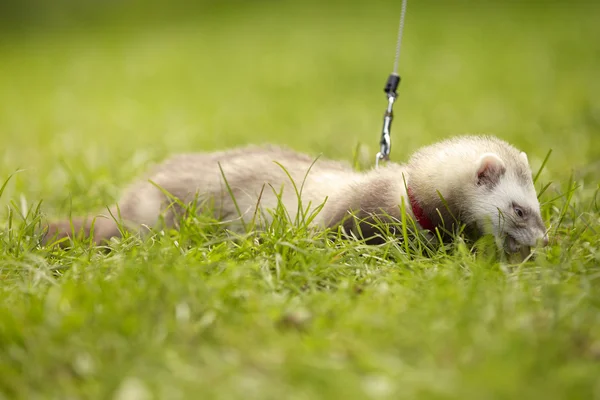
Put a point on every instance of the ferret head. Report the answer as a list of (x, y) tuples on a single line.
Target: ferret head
[(505, 203), (486, 183)]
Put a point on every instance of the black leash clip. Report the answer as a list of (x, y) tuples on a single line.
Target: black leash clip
[(385, 144)]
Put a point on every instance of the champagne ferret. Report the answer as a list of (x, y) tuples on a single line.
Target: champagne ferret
[(479, 181)]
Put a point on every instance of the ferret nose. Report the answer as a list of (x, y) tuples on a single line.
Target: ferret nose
[(541, 240)]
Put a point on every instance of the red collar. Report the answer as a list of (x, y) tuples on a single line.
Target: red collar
[(418, 212)]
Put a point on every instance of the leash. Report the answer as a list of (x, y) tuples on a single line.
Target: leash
[(385, 144)]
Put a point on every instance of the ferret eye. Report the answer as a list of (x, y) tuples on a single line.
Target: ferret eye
[(519, 212)]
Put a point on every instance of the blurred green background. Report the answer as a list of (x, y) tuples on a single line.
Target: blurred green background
[(91, 92)]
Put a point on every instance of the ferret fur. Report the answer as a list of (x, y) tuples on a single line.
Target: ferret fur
[(484, 182)]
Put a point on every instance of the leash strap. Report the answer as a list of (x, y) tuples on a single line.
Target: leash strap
[(385, 144)]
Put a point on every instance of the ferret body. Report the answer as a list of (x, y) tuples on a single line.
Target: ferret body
[(481, 182)]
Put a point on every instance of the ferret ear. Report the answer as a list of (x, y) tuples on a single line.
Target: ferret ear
[(490, 169), (524, 157)]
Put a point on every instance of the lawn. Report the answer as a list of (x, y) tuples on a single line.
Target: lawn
[(88, 100)]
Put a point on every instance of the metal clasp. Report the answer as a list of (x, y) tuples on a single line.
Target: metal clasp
[(385, 145)]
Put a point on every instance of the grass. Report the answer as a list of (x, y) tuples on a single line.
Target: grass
[(290, 313)]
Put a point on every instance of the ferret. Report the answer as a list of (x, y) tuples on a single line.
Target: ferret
[(480, 182)]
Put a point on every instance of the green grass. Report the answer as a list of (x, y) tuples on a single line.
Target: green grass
[(291, 313)]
